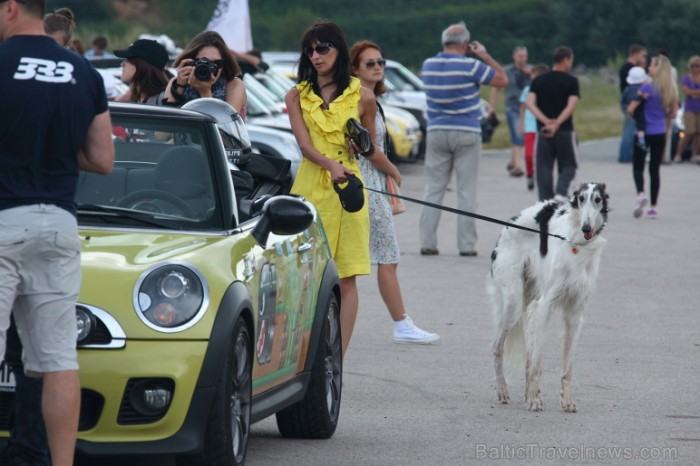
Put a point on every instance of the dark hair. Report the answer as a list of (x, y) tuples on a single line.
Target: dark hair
[(211, 39), (561, 54), (60, 21), (147, 81), (663, 52), (635, 48), (325, 31), (77, 46), (257, 53), (357, 49), (33, 7), (539, 69), (100, 42)]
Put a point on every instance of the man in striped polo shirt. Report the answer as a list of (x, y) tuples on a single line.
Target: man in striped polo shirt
[(451, 82)]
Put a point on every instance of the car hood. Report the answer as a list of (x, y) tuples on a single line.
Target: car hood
[(113, 262)]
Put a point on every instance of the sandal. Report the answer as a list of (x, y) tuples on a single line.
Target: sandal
[(516, 173)]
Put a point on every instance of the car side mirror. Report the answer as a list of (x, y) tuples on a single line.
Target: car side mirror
[(282, 215)]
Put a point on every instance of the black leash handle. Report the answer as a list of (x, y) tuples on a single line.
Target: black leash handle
[(463, 212)]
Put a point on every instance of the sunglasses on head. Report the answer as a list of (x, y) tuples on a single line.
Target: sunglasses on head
[(372, 63), (322, 49)]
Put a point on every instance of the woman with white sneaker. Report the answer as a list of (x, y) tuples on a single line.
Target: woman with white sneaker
[(368, 65), (660, 98)]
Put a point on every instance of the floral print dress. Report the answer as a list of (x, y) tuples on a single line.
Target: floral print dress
[(383, 245)]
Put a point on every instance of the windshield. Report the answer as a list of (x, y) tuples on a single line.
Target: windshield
[(253, 86), (162, 172), (402, 78)]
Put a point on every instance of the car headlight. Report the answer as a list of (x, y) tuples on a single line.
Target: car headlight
[(86, 323), (170, 298)]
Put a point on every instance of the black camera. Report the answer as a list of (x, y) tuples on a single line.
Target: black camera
[(204, 69)]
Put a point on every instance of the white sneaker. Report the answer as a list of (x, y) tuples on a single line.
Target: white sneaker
[(639, 204), (405, 331)]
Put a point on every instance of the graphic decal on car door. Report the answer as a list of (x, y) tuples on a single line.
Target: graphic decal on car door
[(286, 305)]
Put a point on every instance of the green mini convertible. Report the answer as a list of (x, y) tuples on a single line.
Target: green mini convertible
[(209, 298)]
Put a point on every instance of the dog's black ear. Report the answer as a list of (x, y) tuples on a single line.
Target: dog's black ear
[(574, 200)]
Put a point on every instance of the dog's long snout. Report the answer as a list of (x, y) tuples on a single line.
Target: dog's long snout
[(587, 231)]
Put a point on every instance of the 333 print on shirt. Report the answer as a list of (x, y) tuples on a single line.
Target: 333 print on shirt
[(44, 70)]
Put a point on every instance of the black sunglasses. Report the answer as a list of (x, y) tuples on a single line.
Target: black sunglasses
[(372, 64), (322, 49)]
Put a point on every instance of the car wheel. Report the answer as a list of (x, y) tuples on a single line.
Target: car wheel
[(316, 416), (228, 429)]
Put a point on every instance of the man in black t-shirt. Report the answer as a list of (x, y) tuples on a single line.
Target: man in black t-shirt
[(54, 121), (636, 56), (552, 99)]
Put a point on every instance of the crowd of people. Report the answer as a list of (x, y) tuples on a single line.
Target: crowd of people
[(336, 82)]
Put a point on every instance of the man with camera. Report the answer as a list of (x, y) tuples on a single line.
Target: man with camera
[(207, 68), (552, 99), (451, 82)]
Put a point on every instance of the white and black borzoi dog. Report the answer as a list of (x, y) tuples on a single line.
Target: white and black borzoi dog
[(533, 276)]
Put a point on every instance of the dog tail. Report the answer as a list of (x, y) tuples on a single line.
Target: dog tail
[(515, 351)]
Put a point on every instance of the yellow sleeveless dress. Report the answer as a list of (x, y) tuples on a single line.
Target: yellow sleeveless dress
[(347, 233)]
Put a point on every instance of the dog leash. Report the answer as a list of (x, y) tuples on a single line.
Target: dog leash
[(464, 212)]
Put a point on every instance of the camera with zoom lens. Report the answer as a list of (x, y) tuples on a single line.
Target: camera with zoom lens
[(204, 69)]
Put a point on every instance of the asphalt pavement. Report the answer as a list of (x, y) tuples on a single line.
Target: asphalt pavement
[(636, 370)]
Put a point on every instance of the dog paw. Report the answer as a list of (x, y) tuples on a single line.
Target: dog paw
[(503, 397), (568, 406), (535, 404)]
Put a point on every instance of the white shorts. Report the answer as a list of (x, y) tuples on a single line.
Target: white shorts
[(39, 284)]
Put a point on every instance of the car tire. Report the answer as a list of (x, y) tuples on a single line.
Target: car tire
[(228, 429), (316, 416)]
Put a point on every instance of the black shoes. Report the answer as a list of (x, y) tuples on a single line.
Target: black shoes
[(429, 252)]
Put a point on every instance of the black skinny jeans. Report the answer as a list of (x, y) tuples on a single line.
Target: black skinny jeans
[(656, 144)]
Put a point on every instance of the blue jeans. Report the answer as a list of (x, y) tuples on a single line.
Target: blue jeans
[(513, 115), (27, 432), (627, 140)]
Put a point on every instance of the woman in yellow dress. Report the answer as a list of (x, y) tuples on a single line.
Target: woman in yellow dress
[(319, 107)]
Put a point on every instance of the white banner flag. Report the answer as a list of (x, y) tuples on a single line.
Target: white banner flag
[(231, 19)]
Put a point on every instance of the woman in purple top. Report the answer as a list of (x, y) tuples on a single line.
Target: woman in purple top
[(691, 109), (661, 105)]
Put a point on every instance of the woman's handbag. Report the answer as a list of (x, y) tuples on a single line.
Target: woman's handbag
[(397, 205), (359, 135)]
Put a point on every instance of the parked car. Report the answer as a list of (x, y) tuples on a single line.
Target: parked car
[(277, 83), (209, 298), (405, 135), (276, 142), (283, 62)]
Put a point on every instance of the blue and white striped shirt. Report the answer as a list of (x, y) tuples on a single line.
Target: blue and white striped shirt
[(451, 84)]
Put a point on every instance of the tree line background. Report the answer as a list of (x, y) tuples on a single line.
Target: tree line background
[(599, 31)]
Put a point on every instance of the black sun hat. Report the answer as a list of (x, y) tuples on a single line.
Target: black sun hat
[(351, 196), (150, 51)]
